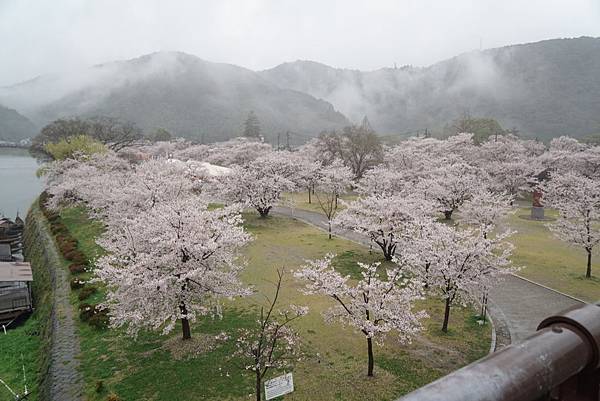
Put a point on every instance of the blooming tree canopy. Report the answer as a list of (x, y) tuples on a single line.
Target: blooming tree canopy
[(377, 305), (387, 221), (462, 262), (577, 199), (485, 209), (334, 180), (171, 263), (258, 184)]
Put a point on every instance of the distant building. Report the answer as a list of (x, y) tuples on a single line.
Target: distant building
[(15, 289)]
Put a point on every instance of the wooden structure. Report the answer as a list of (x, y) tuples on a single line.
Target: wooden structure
[(11, 234), (15, 289)]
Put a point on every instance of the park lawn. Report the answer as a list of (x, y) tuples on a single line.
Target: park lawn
[(549, 261), (334, 365), (299, 200)]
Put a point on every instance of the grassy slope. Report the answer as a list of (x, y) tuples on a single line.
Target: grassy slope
[(22, 341), (335, 363), (25, 346), (549, 261)]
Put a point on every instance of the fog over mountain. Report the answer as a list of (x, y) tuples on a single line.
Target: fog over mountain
[(543, 89), (14, 126), (182, 93)]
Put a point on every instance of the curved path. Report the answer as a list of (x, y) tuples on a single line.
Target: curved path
[(64, 378), (517, 305)]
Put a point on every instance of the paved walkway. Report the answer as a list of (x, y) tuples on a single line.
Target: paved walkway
[(64, 379), (517, 305)]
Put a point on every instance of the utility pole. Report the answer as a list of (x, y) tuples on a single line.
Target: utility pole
[(278, 135), (287, 140)]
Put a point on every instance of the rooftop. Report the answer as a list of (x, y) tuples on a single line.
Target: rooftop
[(15, 271)]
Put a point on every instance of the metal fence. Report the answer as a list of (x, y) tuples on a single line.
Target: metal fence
[(560, 362)]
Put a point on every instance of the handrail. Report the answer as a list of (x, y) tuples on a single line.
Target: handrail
[(560, 362)]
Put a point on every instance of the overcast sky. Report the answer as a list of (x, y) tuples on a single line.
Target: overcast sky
[(46, 36)]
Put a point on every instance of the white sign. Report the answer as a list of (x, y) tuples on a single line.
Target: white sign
[(279, 386)]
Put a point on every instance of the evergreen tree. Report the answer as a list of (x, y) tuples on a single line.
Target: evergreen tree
[(252, 126)]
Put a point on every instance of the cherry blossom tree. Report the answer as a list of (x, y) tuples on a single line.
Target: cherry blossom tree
[(172, 262), (577, 199), (377, 305), (272, 343), (451, 185), (512, 164), (237, 151), (462, 262), (333, 181), (383, 181), (258, 184), (387, 221), (485, 209)]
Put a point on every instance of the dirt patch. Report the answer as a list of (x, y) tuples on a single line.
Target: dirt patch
[(199, 344)]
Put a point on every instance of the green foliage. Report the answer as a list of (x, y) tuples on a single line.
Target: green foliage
[(252, 126), (160, 135), (481, 128), (73, 147)]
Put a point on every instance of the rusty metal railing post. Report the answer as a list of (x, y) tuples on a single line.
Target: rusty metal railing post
[(560, 362)]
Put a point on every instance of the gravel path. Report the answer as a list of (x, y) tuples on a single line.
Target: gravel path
[(516, 305), (64, 379)]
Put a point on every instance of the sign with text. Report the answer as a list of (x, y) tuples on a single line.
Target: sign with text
[(279, 386)]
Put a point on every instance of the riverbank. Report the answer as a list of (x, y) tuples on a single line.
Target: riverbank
[(28, 345)]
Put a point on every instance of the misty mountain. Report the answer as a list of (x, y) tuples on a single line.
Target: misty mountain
[(14, 126), (544, 89), (182, 93)]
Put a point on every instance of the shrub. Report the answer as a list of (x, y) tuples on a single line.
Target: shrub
[(93, 315), (113, 397), (76, 268), (58, 228), (99, 319), (99, 386), (76, 284), (76, 256), (86, 292)]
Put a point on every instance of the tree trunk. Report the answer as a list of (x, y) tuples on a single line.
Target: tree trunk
[(448, 214), (185, 328), (446, 316), (264, 212), (309, 198), (329, 229), (185, 323), (370, 354), (258, 385), (588, 273)]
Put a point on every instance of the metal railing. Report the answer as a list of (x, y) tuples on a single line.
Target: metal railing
[(560, 362)]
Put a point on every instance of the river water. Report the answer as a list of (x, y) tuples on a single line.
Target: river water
[(19, 185)]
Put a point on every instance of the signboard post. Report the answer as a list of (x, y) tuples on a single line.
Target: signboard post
[(279, 386)]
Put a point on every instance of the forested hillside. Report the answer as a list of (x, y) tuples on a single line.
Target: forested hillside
[(543, 89)]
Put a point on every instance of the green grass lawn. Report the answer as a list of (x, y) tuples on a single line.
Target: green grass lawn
[(19, 349), (299, 200), (551, 262), (334, 366)]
